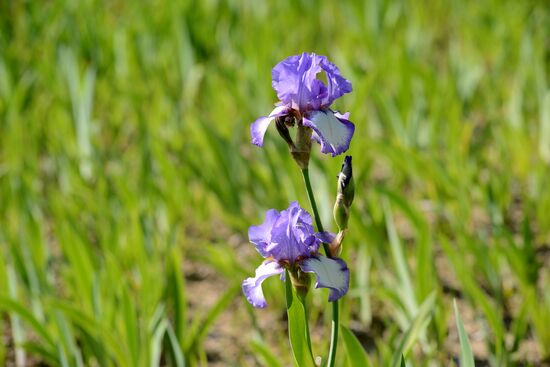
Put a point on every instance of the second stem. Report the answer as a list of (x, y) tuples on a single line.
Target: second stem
[(335, 310)]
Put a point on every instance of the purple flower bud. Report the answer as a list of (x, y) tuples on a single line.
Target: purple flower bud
[(345, 194)]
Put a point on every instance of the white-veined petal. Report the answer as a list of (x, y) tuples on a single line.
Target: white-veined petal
[(329, 273), (333, 130)]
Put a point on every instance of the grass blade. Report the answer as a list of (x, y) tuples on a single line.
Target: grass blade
[(10, 305), (357, 357), (266, 356), (415, 329), (400, 262), (466, 355), (200, 327)]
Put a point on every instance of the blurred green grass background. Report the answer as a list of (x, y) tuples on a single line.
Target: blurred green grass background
[(128, 181)]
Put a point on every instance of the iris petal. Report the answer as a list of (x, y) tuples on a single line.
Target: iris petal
[(332, 130), (294, 80), (337, 84), (292, 235), (260, 235), (252, 287), (329, 273), (325, 237), (297, 86), (259, 127)]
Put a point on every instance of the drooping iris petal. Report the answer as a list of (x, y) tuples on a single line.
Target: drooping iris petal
[(295, 81), (260, 235), (259, 127), (337, 84), (252, 287), (329, 273), (331, 129), (292, 235)]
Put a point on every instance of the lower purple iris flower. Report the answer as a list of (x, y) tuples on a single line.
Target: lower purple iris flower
[(307, 98), (287, 240)]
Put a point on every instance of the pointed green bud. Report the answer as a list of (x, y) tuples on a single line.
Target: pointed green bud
[(345, 194)]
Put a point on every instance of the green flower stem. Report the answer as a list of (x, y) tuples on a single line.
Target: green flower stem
[(335, 310), (333, 334), (305, 173)]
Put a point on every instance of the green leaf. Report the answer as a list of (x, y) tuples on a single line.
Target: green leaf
[(156, 342), (399, 257), (131, 327), (297, 327), (403, 364), (94, 330), (474, 291), (199, 328), (264, 353), (176, 294), (466, 355), (175, 349), (357, 357), (37, 349), (415, 329), (10, 305)]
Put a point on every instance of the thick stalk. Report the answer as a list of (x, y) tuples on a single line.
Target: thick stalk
[(309, 190), (335, 310)]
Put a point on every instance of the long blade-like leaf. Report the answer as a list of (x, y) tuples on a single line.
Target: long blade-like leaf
[(466, 355), (357, 357), (414, 330), (297, 327)]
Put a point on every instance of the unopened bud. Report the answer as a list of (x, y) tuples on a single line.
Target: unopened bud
[(302, 147), (345, 194)]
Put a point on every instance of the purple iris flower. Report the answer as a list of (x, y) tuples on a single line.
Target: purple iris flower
[(308, 99), (287, 240)]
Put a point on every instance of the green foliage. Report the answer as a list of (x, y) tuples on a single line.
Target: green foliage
[(414, 331), (466, 355), (125, 166), (357, 357), (265, 354), (298, 331)]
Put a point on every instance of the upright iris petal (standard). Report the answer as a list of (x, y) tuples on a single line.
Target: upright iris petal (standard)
[(307, 98), (288, 241)]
